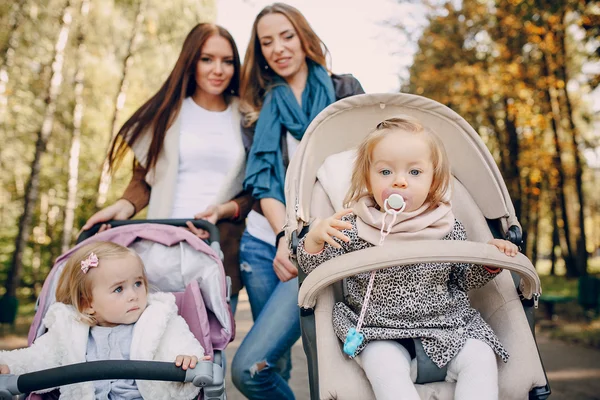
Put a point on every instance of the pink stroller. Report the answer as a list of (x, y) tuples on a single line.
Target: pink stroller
[(176, 261)]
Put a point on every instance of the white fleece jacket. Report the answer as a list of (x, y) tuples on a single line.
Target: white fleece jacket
[(159, 335)]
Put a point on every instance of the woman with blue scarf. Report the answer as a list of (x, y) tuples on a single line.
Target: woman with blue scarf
[(284, 85)]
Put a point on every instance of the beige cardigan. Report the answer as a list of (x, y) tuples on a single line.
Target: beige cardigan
[(163, 177)]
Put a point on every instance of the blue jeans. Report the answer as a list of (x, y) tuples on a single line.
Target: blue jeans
[(261, 366)]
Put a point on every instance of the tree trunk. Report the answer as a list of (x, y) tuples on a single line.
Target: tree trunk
[(72, 183), (555, 236), (581, 250), (512, 173), (31, 192), (534, 233), (105, 178), (39, 237), (530, 220), (8, 54), (557, 163)]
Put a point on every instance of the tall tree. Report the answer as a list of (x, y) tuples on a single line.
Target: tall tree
[(562, 71), (505, 66), (7, 52), (105, 178), (73, 179), (31, 191)]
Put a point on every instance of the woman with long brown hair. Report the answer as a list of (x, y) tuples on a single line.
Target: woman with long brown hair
[(188, 146), (285, 84)]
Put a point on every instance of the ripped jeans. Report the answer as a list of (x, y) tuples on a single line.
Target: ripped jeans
[(261, 366)]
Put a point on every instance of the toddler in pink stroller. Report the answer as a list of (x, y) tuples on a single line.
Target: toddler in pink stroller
[(176, 261)]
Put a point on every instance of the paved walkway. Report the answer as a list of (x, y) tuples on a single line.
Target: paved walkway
[(573, 371)]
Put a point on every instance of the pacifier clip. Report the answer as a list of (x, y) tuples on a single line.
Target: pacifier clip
[(393, 205)]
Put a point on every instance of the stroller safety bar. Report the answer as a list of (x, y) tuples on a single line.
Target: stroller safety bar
[(206, 374), (426, 251)]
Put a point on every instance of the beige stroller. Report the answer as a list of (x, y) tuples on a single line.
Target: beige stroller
[(317, 180)]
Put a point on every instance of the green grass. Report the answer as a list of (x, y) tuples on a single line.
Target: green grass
[(559, 286), (572, 323)]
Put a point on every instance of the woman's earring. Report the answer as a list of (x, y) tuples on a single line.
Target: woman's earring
[(267, 66)]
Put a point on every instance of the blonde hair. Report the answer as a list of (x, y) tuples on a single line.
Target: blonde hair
[(360, 185), (255, 79), (75, 287)]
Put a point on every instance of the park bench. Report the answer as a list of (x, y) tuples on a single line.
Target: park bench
[(588, 296)]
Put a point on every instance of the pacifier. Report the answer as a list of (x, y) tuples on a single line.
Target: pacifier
[(394, 204), (353, 340)]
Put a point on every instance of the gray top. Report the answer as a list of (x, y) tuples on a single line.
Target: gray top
[(112, 344)]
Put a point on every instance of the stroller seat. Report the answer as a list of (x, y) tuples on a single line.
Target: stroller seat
[(317, 180)]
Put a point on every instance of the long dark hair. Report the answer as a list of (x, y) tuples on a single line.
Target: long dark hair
[(158, 113)]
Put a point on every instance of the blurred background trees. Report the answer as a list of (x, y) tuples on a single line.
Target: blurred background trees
[(519, 71), (71, 71)]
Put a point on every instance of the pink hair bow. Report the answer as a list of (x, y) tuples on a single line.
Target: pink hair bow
[(90, 262)]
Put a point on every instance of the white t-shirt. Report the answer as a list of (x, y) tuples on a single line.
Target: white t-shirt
[(257, 224), (205, 157)]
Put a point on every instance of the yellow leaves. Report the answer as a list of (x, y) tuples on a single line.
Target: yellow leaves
[(513, 68), (535, 176), (539, 121), (553, 19), (535, 39), (533, 29)]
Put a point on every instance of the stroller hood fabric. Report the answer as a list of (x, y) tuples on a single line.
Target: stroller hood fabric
[(343, 125)]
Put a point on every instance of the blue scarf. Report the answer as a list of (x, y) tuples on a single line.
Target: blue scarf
[(265, 173)]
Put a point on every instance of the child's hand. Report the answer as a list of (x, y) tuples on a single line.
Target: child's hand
[(4, 369), (508, 248), (188, 361), (326, 230)]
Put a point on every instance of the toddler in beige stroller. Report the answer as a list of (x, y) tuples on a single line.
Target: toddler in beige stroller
[(317, 182)]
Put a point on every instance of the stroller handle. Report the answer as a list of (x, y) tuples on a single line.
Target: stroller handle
[(201, 375), (212, 229)]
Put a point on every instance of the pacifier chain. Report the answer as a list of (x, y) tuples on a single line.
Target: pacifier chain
[(393, 205)]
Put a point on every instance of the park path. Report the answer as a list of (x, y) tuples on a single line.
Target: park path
[(573, 370)]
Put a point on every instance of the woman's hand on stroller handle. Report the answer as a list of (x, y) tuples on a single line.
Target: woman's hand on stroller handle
[(120, 210), (326, 230), (212, 214), (4, 369), (201, 233)]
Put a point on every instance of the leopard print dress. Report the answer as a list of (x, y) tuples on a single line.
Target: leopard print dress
[(427, 301)]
